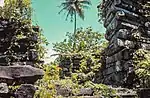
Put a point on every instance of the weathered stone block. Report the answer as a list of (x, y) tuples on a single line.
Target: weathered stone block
[(85, 92), (65, 92), (144, 93), (145, 46), (117, 67), (127, 64), (118, 24), (20, 74), (3, 88), (25, 91), (4, 91), (125, 93), (126, 4), (112, 49), (125, 54), (122, 14), (124, 43)]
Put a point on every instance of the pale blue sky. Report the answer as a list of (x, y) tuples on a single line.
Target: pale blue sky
[(55, 26)]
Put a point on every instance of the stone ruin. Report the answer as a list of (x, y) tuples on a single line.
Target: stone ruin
[(127, 29), (70, 64), (18, 57)]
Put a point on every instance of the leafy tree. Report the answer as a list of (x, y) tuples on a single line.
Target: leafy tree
[(88, 48), (89, 44), (142, 66), (85, 41), (18, 9)]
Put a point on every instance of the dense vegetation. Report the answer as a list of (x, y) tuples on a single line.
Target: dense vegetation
[(20, 12), (89, 48), (85, 45)]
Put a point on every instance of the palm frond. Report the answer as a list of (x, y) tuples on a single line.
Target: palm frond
[(74, 7), (87, 2)]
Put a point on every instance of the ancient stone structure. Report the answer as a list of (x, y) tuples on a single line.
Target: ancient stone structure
[(127, 29), (70, 64), (18, 56)]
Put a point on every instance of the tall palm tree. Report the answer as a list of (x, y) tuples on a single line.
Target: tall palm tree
[(74, 7)]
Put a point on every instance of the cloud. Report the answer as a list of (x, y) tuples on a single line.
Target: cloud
[(1, 3), (48, 58)]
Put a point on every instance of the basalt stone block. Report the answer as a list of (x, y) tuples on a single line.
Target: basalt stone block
[(110, 65), (92, 97), (144, 40), (144, 93), (65, 92), (25, 91), (118, 63), (122, 34), (23, 63), (145, 46), (4, 92), (124, 93), (115, 79), (85, 92), (124, 43), (33, 55), (125, 54), (125, 4), (116, 24), (20, 74), (107, 80), (116, 68), (123, 15), (127, 64)]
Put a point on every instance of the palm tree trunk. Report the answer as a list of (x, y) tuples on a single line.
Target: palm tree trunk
[(75, 23), (75, 27)]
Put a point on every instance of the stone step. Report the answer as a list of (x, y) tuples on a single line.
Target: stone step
[(20, 74)]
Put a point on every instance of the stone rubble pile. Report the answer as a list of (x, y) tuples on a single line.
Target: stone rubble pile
[(127, 29), (18, 56), (89, 93)]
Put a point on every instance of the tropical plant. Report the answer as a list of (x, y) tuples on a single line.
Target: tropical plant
[(46, 86), (16, 9), (86, 40), (142, 66), (74, 7), (88, 48)]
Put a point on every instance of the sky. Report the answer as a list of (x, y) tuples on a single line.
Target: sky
[(1, 3), (55, 26)]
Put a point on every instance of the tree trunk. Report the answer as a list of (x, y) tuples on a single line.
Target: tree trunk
[(75, 27)]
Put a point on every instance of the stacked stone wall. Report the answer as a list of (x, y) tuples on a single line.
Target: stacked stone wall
[(127, 29), (18, 57)]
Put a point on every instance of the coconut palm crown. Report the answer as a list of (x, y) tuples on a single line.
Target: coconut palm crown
[(74, 7)]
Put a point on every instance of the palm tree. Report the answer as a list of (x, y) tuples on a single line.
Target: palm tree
[(74, 7)]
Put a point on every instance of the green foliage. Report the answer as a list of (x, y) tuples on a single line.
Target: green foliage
[(88, 47), (74, 7), (85, 41), (100, 89), (142, 66), (19, 14), (18, 9), (89, 66), (46, 86)]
